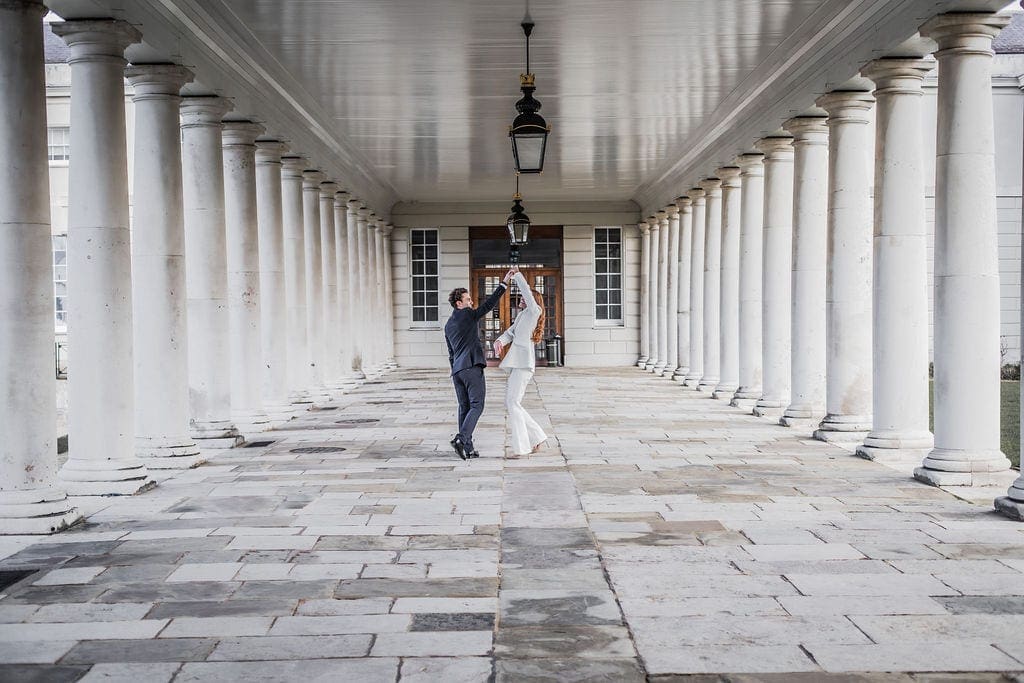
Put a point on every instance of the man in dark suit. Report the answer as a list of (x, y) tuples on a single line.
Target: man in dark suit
[(467, 359)]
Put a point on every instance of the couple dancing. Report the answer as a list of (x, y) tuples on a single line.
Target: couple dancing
[(466, 357)]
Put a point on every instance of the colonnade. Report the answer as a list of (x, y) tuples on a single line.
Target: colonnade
[(247, 285), (807, 299)]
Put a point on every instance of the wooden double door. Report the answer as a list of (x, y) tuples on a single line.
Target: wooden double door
[(547, 281)]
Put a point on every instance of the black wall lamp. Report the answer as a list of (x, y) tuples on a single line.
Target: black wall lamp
[(518, 224)]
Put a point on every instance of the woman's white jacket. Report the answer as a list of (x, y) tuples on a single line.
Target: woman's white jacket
[(518, 337)]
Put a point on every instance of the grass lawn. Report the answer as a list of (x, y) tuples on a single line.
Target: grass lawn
[(1009, 419)]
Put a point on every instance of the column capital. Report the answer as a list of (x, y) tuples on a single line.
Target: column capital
[(751, 164), (270, 151), (311, 179), (203, 111), (654, 223), (643, 227), (341, 199), (894, 76), (363, 213), (963, 32), (672, 210), (662, 217), (353, 205), (97, 40), (157, 81), (712, 187), (730, 175), (292, 167), (776, 148), (696, 196), (327, 189), (372, 221), (685, 204), (808, 130), (387, 228), (847, 106), (241, 133)]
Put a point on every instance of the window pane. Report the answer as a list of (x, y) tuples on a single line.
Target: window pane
[(430, 237), (614, 265), (615, 281), (615, 250), (602, 296), (601, 250), (431, 268), (615, 312), (615, 296), (418, 267), (431, 253), (602, 282), (418, 315), (615, 235), (602, 312), (419, 298), (431, 283), (431, 298), (431, 315), (601, 266), (419, 253)]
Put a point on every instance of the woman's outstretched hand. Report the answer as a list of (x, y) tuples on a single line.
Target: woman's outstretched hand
[(498, 347)]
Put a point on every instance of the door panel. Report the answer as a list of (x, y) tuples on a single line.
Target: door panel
[(546, 281)]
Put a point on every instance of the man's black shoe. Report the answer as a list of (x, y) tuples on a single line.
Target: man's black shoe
[(459, 447), (473, 454)]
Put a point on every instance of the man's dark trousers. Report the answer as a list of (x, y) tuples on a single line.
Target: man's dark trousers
[(470, 390)]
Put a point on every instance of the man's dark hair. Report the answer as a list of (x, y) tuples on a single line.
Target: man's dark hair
[(456, 295)]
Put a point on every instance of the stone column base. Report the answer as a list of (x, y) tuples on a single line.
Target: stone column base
[(105, 477), (641, 362), (659, 368), (680, 375), (724, 392), (1012, 508), (843, 428), (691, 381), (669, 372), (892, 456), (163, 453), (833, 436), (945, 478), (707, 384), (743, 403), (649, 366), (36, 511), (219, 443), (911, 441), (768, 409), (251, 422), (806, 424), (946, 467)]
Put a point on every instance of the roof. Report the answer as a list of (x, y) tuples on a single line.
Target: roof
[(54, 49), (1011, 39)]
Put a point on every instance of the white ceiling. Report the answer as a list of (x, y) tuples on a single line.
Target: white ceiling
[(410, 100)]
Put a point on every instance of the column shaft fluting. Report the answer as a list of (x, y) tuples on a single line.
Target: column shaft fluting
[(354, 297), (900, 266), (672, 305), (663, 259), (30, 503), (101, 405), (158, 264), (848, 295), (696, 366), (329, 268), (776, 274), (655, 298), (645, 293), (683, 295), (729, 298), (810, 232), (751, 253), (966, 330), (273, 300), (206, 272), (293, 217), (712, 282), (244, 276), (314, 282)]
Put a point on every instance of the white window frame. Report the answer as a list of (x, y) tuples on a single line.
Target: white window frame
[(413, 291), (64, 142), (58, 270), (609, 322)]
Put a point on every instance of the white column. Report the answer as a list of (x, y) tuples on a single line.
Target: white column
[(158, 266), (311, 180), (343, 346), (848, 295), (645, 293), (243, 276), (663, 292), (293, 218), (206, 272), (655, 298), (355, 290), (381, 293), (810, 219), (30, 503), (900, 267), (751, 254), (389, 287), (729, 306), (683, 295), (712, 282), (672, 306), (329, 269), (696, 366), (776, 302), (966, 327), (101, 405), (273, 301), (373, 312), (363, 289)]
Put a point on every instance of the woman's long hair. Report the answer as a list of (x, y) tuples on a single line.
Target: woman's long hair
[(538, 332)]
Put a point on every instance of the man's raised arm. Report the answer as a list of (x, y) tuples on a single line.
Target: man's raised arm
[(493, 299)]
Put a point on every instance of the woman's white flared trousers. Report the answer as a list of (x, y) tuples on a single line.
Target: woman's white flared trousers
[(524, 432)]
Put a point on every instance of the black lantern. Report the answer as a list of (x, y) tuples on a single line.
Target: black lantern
[(518, 224), (529, 131)]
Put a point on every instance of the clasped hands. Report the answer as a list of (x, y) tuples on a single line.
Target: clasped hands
[(508, 276)]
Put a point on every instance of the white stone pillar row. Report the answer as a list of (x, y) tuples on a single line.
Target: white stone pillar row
[(101, 405), (663, 259), (729, 306), (158, 265), (273, 300), (206, 272), (751, 253), (848, 292), (311, 180), (30, 503), (354, 297), (389, 286), (329, 269), (966, 314), (363, 290), (645, 293), (683, 286), (655, 298), (712, 282), (672, 293), (343, 347), (696, 366), (776, 275), (900, 267), (810, 218), (293, 218), (242, 225)]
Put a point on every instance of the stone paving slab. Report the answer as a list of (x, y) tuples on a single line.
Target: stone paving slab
[(659, 535)]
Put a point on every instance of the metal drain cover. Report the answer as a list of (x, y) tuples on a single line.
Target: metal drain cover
[(258, 444), (317, 449)]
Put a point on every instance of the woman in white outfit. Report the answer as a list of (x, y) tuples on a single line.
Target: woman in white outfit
[(521, 337)]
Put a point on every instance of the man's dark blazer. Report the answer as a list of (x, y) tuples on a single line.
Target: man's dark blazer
[(463, 337)]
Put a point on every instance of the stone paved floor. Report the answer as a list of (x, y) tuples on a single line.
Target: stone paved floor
[(661, 534)]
